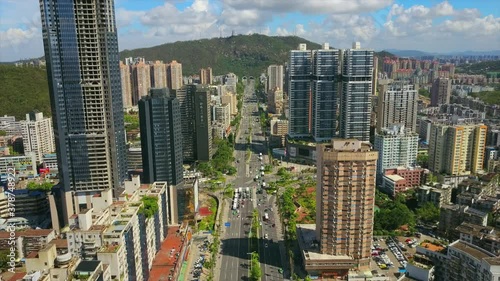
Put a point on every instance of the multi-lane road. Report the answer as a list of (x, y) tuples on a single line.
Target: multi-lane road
[(235, 237)]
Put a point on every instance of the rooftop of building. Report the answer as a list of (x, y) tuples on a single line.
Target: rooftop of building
[(27, 233), (431, 246), (165, 260), (471, 250), (110, 248), (87, 266), (17, 276), (493, 261), (60, 243), (394, 178), (306, 234)]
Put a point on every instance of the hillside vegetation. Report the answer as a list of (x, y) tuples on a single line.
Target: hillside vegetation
[(23, 89), (480, 67), (241, 54), (492, 97)]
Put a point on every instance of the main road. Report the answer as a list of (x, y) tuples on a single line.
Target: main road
[(235, 263)]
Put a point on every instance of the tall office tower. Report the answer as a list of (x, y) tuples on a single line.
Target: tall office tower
[(206, 76), (185, 95), (397, 104), (141, 81), (174, 75), (375, 76), (161, 137), (203, 123), (345, 201), (83, 71), (397, 147), (355, 100), (457, 149), (299, 96), (126, 79), (158, 74), (275, 77), (440, 91), (325, 70), (38, 135)]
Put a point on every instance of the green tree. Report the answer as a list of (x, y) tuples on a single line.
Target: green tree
[(308, 278), (428, 212), (4, 259), (424, 92), (423, 160), (3, 133)]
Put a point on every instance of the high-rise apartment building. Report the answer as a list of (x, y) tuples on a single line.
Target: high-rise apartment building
[(161, 137), (325, 73), (158, 74), (355, 100), (222, 114), (174, 75), (275, 101), (83, 71), (231, 99), (126, 78), (206, 76), (345, 201), (141, 81), (299, 96), (397, 105), (275, 77), (397, 147), (457, 149), (38, 135), (440, 91)]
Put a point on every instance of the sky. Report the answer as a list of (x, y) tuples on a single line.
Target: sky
[(425, 25)]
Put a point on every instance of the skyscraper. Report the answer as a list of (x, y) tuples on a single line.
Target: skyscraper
[(345, 200), (206, 76), (275, 77), (397, 104), (185, 95), (325, 72), (83, 71), (203, 122), (126, 84), (141, 81), (299, 95), (397, 147), (158, 74), (355, 100), (161, 137), (174, 75), (440, 91)]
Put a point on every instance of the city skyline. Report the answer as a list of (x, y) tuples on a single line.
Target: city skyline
[(432, 26)]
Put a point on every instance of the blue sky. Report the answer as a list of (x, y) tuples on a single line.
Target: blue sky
[(430, 25)]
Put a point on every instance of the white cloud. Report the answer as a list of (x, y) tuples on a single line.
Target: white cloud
[(16, 36)]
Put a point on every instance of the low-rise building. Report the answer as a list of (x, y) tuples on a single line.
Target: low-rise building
[(402, 179), (485, 237), (452, 216), (439, 194), (469, 262), (24, 165), (27, 241)]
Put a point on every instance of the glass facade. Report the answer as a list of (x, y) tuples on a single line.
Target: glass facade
[(81, 49), (161, 137)]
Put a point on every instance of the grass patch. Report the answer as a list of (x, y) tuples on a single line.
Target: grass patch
[(208, 222)]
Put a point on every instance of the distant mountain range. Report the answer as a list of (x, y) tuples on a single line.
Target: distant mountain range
[(416, 53)]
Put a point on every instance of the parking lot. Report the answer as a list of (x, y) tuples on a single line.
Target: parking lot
[(198, 254), (390, 256)]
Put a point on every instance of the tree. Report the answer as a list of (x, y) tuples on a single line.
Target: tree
[(423, 160), (3, 133), (308, 278), (428, 212)]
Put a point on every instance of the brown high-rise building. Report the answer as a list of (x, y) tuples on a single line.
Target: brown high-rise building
[(159, 75), (440, 91), (345, 198), (141, 81), (174, 75), (126, 84), (206, 76)]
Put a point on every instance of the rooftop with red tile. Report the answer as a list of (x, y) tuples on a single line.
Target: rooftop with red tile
[(18, 276), (60, 243), (165, 259)]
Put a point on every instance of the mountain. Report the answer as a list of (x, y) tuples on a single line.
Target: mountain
[(23, 89), (409, 53), (240, 54)]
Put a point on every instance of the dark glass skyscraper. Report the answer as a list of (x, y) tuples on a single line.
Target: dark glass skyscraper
[(81, 50), (161, 137)]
